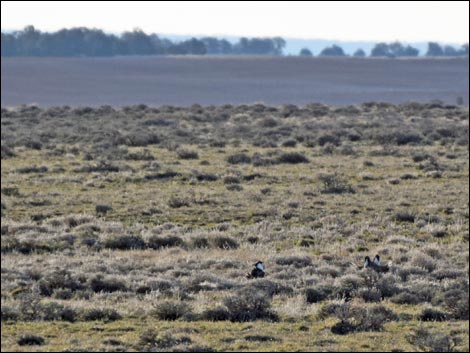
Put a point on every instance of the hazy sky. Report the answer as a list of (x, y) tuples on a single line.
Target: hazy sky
[(445, 21)]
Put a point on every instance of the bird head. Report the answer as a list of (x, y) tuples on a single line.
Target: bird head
[(377, 260)]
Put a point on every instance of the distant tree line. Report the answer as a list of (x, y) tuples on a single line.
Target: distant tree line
[(94, 42), (394, 50)]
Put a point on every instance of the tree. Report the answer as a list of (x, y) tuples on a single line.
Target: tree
[(396, 49), (450, 51), (212, 45), (334, 50), (27, 41), (225, 47), (8, 45), (97, 43), (434, 49), (410, 51), (259, 46), (279, 44), (195, 46), (177, 49), (159, 45), (359, 53), (393, 50), (464, 50), (380, 50), (305, 52), (82, 41), (217, 46), (137, 43)]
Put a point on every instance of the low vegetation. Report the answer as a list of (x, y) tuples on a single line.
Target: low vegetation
[(133, 229)]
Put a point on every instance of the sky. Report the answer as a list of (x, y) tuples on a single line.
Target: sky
[(406, 21)]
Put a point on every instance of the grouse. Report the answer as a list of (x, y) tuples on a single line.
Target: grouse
[(375, 265), (258, 271)]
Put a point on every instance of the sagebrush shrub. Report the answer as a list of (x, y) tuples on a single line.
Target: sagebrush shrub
[(224, 242), (187, 154), (248, 306), (317, 294), (171, 310), (432, 341), (219, 313), (334, 184), (99, 283), (29, 339), (292, 158), (239, 158), (123, 242), (95, 314), (294, 260), (157, 241), (430, 314), (9, 313), (59, 279)]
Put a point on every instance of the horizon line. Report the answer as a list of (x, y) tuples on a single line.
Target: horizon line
[(235, 36)]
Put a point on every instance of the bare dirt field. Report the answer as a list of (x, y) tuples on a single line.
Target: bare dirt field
[(236, 80)]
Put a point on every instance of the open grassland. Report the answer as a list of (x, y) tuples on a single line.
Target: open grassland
[(134, 228)]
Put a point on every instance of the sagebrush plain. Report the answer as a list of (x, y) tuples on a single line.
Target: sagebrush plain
[(133, 228)]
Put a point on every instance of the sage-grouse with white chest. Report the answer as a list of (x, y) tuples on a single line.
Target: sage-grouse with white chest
[(376, 265), (258, 271)]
